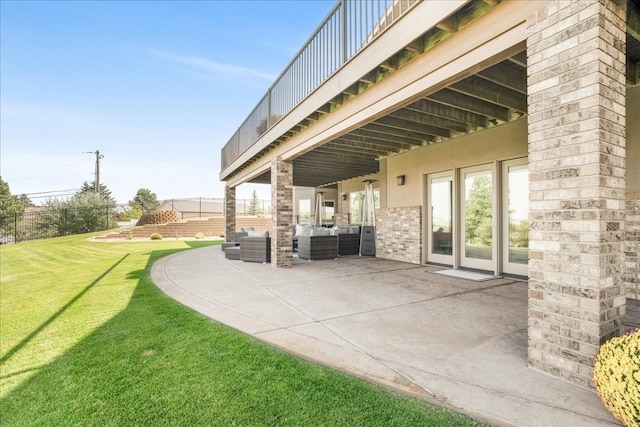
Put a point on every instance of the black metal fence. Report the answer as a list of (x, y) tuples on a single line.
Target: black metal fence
[(203, 207), (46, 223)]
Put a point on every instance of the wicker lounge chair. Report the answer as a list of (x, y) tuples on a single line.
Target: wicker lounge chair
[(255, 249)]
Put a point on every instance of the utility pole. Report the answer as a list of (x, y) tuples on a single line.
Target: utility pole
[(98, 157)]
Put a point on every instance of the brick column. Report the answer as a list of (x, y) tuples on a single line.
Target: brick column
[(282, 213), (632, 247), (341, 219), (576, 91), (229, 212)]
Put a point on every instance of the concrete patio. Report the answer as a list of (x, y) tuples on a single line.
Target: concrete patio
[(458, 343)]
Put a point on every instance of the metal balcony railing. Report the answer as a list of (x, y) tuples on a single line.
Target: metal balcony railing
[(348, 27)]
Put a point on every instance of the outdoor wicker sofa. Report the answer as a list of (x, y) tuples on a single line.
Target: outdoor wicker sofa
[(317, 247), (348, 244)]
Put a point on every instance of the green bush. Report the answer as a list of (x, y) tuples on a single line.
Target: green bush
[(617, 377), (155, 236)]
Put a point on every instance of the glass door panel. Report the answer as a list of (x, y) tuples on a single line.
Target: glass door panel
[(440, 221), (477, 221), (516, 227)]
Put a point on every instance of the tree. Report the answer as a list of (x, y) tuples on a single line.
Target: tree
[(144, 200), (9, 204), (85, 212), (11, 208), (254, 205), (90, 187), (478, 212), (26, 201)]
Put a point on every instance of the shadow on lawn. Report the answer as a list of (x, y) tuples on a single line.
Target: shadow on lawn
[(97, 378), (55, 315)]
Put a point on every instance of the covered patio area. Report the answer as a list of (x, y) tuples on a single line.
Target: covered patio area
[(455, 342)]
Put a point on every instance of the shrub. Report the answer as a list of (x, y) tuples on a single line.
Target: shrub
[(199, 236), (617, 377), (155, 236)]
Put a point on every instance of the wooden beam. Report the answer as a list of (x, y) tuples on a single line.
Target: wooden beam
[(387, 142), (485, 90), (371, 77), (633, 73), (416, 46), (391, 64), (448, 112), (633, 19), (519, 59), (322, 165), (507, 74), (384, 136), (417, 138), (407, 125), (429, 120), (449, 24), (366, 149), (349, 153), (468, 103)]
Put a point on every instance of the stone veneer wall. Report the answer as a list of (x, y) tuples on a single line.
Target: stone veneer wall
[(229, 212), (631, 275), (576, 95), (281, 213), (342, 219), (399, 234)]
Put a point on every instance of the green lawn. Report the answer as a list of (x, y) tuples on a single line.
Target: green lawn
[(87, 339)]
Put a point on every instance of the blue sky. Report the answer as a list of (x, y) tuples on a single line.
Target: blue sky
[(157, 86)]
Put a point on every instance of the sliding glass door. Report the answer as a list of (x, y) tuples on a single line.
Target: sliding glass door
[(477, 221), (477, 217), (515, 196), (440, 221)]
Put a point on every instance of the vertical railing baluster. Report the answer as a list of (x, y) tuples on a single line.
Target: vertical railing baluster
[(349, 26)]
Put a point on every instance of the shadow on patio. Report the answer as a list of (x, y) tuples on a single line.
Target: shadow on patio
[(455, 342)]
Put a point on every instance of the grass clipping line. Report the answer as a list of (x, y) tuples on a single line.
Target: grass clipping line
[(88, 340)]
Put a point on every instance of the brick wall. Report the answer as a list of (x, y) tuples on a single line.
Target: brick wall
[(576, 96), (281, 213), (399, 234), (229, 212), (342, 219), (631, 275)]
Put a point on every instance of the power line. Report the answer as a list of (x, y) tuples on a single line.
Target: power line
[(53, 191), (47, 177), (52, 195), (44, 154)]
